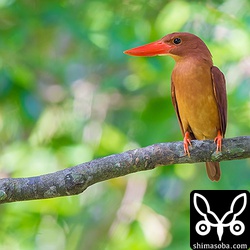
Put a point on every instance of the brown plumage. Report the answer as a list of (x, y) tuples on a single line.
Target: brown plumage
[(198, 90)]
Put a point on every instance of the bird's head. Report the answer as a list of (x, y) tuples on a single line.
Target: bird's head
[(178, 45)]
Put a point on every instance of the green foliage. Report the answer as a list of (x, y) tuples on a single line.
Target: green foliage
[(68, 95)]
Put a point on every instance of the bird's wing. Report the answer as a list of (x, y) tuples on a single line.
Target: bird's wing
[(174, 101), (219, 87)]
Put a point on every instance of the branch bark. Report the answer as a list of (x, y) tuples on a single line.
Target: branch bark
[(75, 180)]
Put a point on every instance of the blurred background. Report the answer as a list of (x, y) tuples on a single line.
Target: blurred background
[(68, 95)]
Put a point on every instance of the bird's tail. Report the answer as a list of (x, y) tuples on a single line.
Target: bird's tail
[(213, 170)]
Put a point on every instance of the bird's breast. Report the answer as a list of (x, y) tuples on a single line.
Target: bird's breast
[(196, 102)]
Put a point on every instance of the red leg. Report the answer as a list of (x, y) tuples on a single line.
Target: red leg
[(186, 143), (218, 140)]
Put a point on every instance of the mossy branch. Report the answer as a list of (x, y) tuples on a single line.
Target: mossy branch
[(76, 179)]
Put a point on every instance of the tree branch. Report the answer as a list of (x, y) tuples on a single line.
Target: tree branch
[(76, 179)]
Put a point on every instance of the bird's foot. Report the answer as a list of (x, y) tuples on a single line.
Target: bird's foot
[(186, 143), (218, 141)]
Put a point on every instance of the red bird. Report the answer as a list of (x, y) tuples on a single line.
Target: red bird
[(198, 90)]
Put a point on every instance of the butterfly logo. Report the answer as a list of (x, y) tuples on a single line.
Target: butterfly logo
[(203, 227)]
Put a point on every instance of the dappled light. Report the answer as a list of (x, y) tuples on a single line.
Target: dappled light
[(68, 95)]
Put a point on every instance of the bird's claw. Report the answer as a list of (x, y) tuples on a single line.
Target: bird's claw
[(186, 143), (218, 141)]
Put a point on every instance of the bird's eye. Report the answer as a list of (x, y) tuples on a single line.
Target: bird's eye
[(177, 40)]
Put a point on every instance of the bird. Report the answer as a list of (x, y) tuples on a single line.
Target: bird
[(198, 90)]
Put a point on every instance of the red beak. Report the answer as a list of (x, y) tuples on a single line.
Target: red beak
[(150, 49)]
